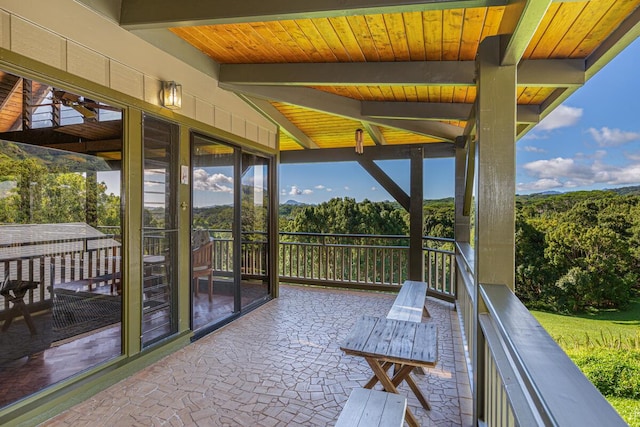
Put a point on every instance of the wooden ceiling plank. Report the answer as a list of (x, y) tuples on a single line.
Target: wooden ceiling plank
[(380, 35), (184, 46), (473, 24), (332, 39), (364, 38), (492, 22), (272, 113), (348, 38), (623, 35), (398, 93), (278, 48), (557, 29), (581, 28), (145, 14), (451, 34), (411, 93), (395, 28), (340, 106), (432, 23), (314, 36), (524, 17), (542, 29), (288, 32), (305, 46), (415, 36)]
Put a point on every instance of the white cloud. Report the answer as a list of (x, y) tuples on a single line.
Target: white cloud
[(534, 136), (606, 137), (569, 173), (374, 189), (561, 117), (346, 188), (295, 191), (319, 187), (539, 185), (532, 149), (329, 190), (557, 167), (283, 192), (217, 182), (635, 157)]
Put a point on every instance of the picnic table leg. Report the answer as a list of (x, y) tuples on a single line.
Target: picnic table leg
[(403, 374), (374, 379), (388, 385)]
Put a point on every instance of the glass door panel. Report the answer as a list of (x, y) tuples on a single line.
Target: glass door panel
[(214, 167), (254, 284), (159, 234)]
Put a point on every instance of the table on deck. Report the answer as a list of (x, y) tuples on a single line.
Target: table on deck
[(384, 343)]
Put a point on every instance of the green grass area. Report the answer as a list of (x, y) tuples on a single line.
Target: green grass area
[(606, 330), (570, 331)]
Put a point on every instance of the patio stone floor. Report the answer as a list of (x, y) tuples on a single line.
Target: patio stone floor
[(279, 365)]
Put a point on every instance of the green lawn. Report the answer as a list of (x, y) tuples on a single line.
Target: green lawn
[(610, 329)]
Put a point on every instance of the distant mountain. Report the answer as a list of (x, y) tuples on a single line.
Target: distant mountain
[(293, 202), (627, 191)]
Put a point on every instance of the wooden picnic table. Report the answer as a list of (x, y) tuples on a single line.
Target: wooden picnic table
[(384, 343)]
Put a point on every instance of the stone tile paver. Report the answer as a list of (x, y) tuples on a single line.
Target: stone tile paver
[(280, 365)]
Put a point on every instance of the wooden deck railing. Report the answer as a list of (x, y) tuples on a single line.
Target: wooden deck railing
[(524, 378)]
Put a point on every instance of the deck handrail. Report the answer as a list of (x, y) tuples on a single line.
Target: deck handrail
[(541, 384)]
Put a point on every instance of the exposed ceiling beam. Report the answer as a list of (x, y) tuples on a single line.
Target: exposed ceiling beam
[(374, 133), (552, 73), (538, 73), (273, 114), (376, 152), (351, 73), (181, 49), (436, 111), (142, 14), (343, 107), (386, 182), (519, 24), (416, 110)]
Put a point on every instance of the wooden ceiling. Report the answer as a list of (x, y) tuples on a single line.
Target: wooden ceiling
[(401, 70)]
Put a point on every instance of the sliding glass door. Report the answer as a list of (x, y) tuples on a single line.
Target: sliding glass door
[(229, 231)]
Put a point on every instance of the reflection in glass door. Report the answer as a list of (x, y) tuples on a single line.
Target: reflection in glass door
[(255, 229), (214, 282), (159, 234)]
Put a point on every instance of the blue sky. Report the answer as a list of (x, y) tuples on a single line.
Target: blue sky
[(591, 141)]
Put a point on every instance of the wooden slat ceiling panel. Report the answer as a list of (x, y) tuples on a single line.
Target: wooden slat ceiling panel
[(395, 136), (575, 29), (415, 36), (286, 143), (333, 132), (567, 30)]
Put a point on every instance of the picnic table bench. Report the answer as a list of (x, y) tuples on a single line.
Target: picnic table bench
[(371, 408), (410, 302)]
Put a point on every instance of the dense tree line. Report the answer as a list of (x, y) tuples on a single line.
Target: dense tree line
[(574, 251)]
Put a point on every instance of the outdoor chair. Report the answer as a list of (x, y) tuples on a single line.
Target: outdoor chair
[(202, 260)]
